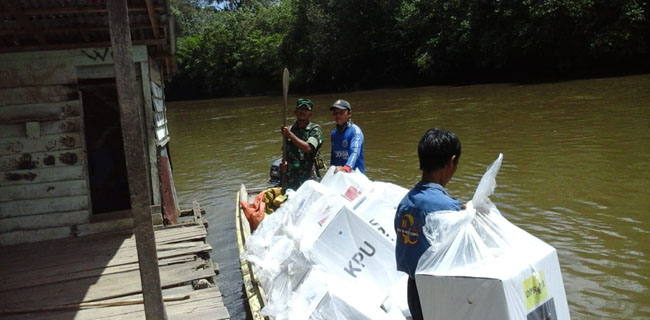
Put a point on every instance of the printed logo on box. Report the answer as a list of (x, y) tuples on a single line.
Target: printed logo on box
[(351, 193), (357, 258), (535, 290)]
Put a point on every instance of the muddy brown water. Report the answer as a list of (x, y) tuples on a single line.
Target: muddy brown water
[(576, 169)]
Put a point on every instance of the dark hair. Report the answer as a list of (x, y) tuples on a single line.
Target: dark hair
[(436, 147)]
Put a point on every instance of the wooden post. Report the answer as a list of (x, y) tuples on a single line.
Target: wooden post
[(130, 100), (169, 209)]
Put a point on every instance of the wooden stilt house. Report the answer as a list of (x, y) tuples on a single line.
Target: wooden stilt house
[(63, 170), (85, 169)]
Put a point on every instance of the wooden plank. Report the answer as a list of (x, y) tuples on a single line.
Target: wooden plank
[(68, 252), (76, 55), (184, 233), (85, 29), (96, 71), (118, 246), (180, 245), (21, 113), (122, 308), (47, 220), (42, 175), (176, 233), (77, 45), (154, 71), (69, 125), (204, 304), (84, 161), (53, 159), (123, 261), (104, 226), (38, 94), (208, 304), (43, 190), (81, 10), (24, 21), (57, 142), (38, 206), (102, 268), (218, 313), (170, 208), (131, 106), (103, 287), (114, 249), (149, 130), (43, 73), (153, 18), (30, 236)]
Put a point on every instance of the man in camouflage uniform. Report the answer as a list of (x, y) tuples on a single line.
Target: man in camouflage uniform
[(304, 139)]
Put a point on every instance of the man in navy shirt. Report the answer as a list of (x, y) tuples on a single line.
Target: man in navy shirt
[(347, 139), (439, 151)]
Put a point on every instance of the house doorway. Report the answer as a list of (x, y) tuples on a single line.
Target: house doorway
[(109, 186)]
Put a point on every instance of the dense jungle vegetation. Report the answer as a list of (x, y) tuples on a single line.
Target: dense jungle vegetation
[(235, 48)]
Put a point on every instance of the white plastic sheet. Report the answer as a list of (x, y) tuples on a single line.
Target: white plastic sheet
[(318, 259)]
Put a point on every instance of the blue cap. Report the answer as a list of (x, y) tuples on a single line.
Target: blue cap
[(341, 104)]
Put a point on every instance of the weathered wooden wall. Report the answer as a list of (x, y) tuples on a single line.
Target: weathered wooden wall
[(44, 190)]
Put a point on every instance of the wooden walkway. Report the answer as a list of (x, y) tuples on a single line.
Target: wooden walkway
[(97, 277)]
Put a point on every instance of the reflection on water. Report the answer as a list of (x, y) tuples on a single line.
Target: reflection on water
[(576, 170)]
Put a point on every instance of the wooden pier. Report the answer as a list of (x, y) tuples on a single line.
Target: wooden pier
[(97, 277)]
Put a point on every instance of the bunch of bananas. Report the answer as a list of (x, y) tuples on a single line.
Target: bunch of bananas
[(273, 198)]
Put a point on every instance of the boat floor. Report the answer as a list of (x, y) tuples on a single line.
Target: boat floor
[(97, 277)]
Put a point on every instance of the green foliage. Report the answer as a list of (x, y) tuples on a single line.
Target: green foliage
[(342, 44), (236, 54), (241, 48)]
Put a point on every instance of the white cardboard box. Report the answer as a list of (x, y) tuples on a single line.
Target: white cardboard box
[(354, 253), (379, 207), (524, 283), (351, 249)]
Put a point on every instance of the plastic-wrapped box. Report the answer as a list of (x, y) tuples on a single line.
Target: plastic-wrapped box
[(353, 186), (364, 281), (481, 266), (323, 296), (379, 207), (350, 249)]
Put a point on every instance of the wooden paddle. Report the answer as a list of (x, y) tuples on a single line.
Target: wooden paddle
[(285, 91)]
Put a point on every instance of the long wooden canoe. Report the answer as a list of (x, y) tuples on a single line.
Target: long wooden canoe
[(255, 296)]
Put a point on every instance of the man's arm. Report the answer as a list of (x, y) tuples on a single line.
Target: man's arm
[(315, 139), (302, 145), (356, 144)]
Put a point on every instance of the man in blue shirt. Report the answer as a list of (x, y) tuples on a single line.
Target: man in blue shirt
[(438, 151), (347, 139)]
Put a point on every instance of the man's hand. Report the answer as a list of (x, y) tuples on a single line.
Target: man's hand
[(342, 168), (286, 132), (283, 166)]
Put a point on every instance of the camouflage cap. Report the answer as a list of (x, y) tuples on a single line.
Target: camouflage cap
[(304, 103)]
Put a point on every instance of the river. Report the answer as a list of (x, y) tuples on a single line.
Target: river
[(576, 169)]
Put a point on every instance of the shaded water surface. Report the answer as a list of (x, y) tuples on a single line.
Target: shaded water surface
[(576, 170)]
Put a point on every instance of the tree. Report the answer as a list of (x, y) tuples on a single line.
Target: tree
[(239, 47), (235, 54)]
